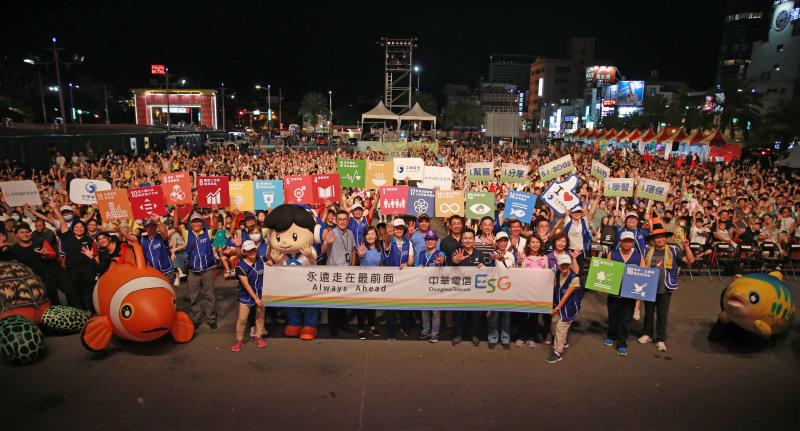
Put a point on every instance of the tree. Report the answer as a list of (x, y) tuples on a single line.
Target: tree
[(739, 108), (696, 118), (312, 108), (782, 123), (656, 109), (463, 114), (427, 102)]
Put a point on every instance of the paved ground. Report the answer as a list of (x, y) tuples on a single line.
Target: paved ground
[(349, 384)]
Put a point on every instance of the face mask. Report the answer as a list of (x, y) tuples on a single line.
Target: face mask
[(68, 217), (255, 237), (667, 219)]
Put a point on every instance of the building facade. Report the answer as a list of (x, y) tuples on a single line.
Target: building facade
[(746, 21), (511, 69), (190, 107)]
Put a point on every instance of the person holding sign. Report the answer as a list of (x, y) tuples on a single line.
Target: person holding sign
[(620, 310), (668, 259)]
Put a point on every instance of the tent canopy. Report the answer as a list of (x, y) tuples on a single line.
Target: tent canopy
[(632, 137), (622, 134), (380, 112), (715, 139), (416, 113), (646, 136), (676, 137), (693, 138)]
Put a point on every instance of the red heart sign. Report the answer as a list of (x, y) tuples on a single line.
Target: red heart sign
[(567, 197)]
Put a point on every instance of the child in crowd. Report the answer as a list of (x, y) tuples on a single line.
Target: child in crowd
[(566, 305)]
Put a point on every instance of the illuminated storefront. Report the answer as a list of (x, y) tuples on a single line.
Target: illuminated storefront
[(186, 107)]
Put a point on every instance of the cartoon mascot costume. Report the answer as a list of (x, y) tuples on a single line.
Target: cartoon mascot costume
[(291, 238)]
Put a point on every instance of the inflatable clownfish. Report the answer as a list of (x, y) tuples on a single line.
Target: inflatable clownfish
[(134, 302), (758, 303)]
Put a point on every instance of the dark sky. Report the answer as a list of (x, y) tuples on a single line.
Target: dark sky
[(304, 46)]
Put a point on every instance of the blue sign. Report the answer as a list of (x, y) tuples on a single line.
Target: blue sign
[(520, 205), (639, 283), (267, 194), (421, 201)]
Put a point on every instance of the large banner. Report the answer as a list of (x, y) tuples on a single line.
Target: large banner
[(639, 283), (513, 173), (652, 189), (241, 195), (605, 275), (480, 204), (19, 193), (298, 189), (437, 177), (449, 202), (520, 206), (618, 187), (378, 174), (421, 201), (81, 190), (177, 188), (267, 194), (408, 167), (351, 172), (114, 205), (213, 191), (557, 168), (326, 188), (561, 196), (147, 201), (480, 171), (394, 200), (442, 288)]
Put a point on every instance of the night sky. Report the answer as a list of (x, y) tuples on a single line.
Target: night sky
[(307, 46)]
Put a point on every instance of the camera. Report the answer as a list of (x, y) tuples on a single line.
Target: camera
[(487, 261)]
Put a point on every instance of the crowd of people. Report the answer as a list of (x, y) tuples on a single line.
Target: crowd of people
[(712, 210)]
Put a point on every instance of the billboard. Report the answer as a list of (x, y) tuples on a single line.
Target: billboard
[(624, 93), (601, 75)]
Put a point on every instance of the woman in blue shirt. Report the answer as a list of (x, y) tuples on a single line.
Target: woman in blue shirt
[(370, 253)]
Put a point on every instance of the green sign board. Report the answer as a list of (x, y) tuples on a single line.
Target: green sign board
[(605, 275), (351, 172), (479, 204)]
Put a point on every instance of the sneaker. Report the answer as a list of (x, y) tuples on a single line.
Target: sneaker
[(252, 332), (566, 345), (492, 346), (434, 338), (519, 343), (456, 341), (637, 315), (237, 346), (506, 346), (391, 339), (549, 339), (532, 344), (403, 333), (622, 351), (424, 336), (374, 332), (644, 339), (476, 341), (260, 342), (608, 342), (553, 358), (661, 346), (362, 335)]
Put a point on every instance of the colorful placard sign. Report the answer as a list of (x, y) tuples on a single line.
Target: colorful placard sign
[(212, 191), (437, 177), (480, 204), (480, 171), (557, 168), (561, 196), (19, 193), (600, 171), (514, 173), (520, 206), (82, 191), (394, 200), (147, 201), (421, 201), (241, 194), (352, 173), (177, 188), (605, 275), (618, 187), (449, 202), (326, 188), (114, 205), (267, 194), (298, 189), (410, 168), (652, 189), (378, 174), (639, 283)]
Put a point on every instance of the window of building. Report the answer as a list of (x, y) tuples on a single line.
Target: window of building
[(562, 69), (776, 67)]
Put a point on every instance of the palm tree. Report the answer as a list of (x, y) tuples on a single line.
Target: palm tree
[(739, 108), (312, 108), (782, 122)]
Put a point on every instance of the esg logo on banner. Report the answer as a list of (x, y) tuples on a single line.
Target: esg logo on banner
[(482, 281)]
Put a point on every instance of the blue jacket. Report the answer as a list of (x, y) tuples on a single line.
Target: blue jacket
[(358, 228), (586, 232), (255, 276), (641, 241), (200, 252), (397, 255), (156, 253), (573, 304)]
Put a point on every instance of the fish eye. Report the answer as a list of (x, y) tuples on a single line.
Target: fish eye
[(294, 237), (754, 298), (126, 311)]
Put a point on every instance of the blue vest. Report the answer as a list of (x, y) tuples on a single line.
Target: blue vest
[(585, 232), (396, 254), (255, 276), (425, 259), (573, 304), (641, 242), (200, 252), (156, 253), (671, 275), (358, 228)]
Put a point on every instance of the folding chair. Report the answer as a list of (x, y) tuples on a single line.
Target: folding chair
[(723, 253), (748, 258), (794, 260), (771, 256)]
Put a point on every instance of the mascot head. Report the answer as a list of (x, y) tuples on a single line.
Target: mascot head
[(291, 228)]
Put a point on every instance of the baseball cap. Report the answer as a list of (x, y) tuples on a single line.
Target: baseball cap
[(249, 215), (66, 208), (398, 222), (423, 217), (634, 215), (248, 245), (576, 209), (356, 207), (195, 217), (150, 221), (627, 235), (500, 235), (103, 233), (431, 234), (564, 260), (22, 226)]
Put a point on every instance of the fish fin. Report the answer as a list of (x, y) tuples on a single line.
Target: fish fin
[(777, 274), (723, 317), (97, 333), (182, 328), (763, 329)]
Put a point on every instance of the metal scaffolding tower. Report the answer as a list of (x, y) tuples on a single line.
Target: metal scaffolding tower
[(398, 64)]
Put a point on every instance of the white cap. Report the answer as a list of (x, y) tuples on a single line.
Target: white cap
[(500, 235), (398, 222), (195, 217), (627, 235), (248, 245), (66, 208), (356, 206), (564, 260)]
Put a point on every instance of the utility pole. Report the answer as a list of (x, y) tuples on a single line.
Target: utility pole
[(166, 84), (71, 104), (60, 88), (223, 106), (41, 93), (105, 102), (280, 108), (269, 113)]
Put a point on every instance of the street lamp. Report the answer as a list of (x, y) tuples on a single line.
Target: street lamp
[(417, 70), (269, 109), (330, 116), (34, 62), (72, 101)]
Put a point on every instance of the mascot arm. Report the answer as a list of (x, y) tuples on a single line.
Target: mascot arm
[(96, 335), (763, 328), (182, 328)]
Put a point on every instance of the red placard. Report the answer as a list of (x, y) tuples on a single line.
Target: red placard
[(213, 191), (394, 199), (177, 188), (158, 69), (326, 188), (298, 189), (147, 201)]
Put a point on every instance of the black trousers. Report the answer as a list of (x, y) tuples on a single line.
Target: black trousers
[(51, 285), (365, 316), (81, 281), (471, 319), (620, 314), (393, 317), (659, 310), (337, 319), (528, 326)]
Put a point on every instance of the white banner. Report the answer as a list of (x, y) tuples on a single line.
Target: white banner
[(557, 168), (411, 168), (81, 190), (428, 288), (437, 177), (19, 193)]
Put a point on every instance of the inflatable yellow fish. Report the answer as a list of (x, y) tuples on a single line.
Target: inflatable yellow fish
[(758, 303)]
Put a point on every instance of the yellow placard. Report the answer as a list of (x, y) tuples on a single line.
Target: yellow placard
[(379, 174), (241, 193), (449, 202)]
